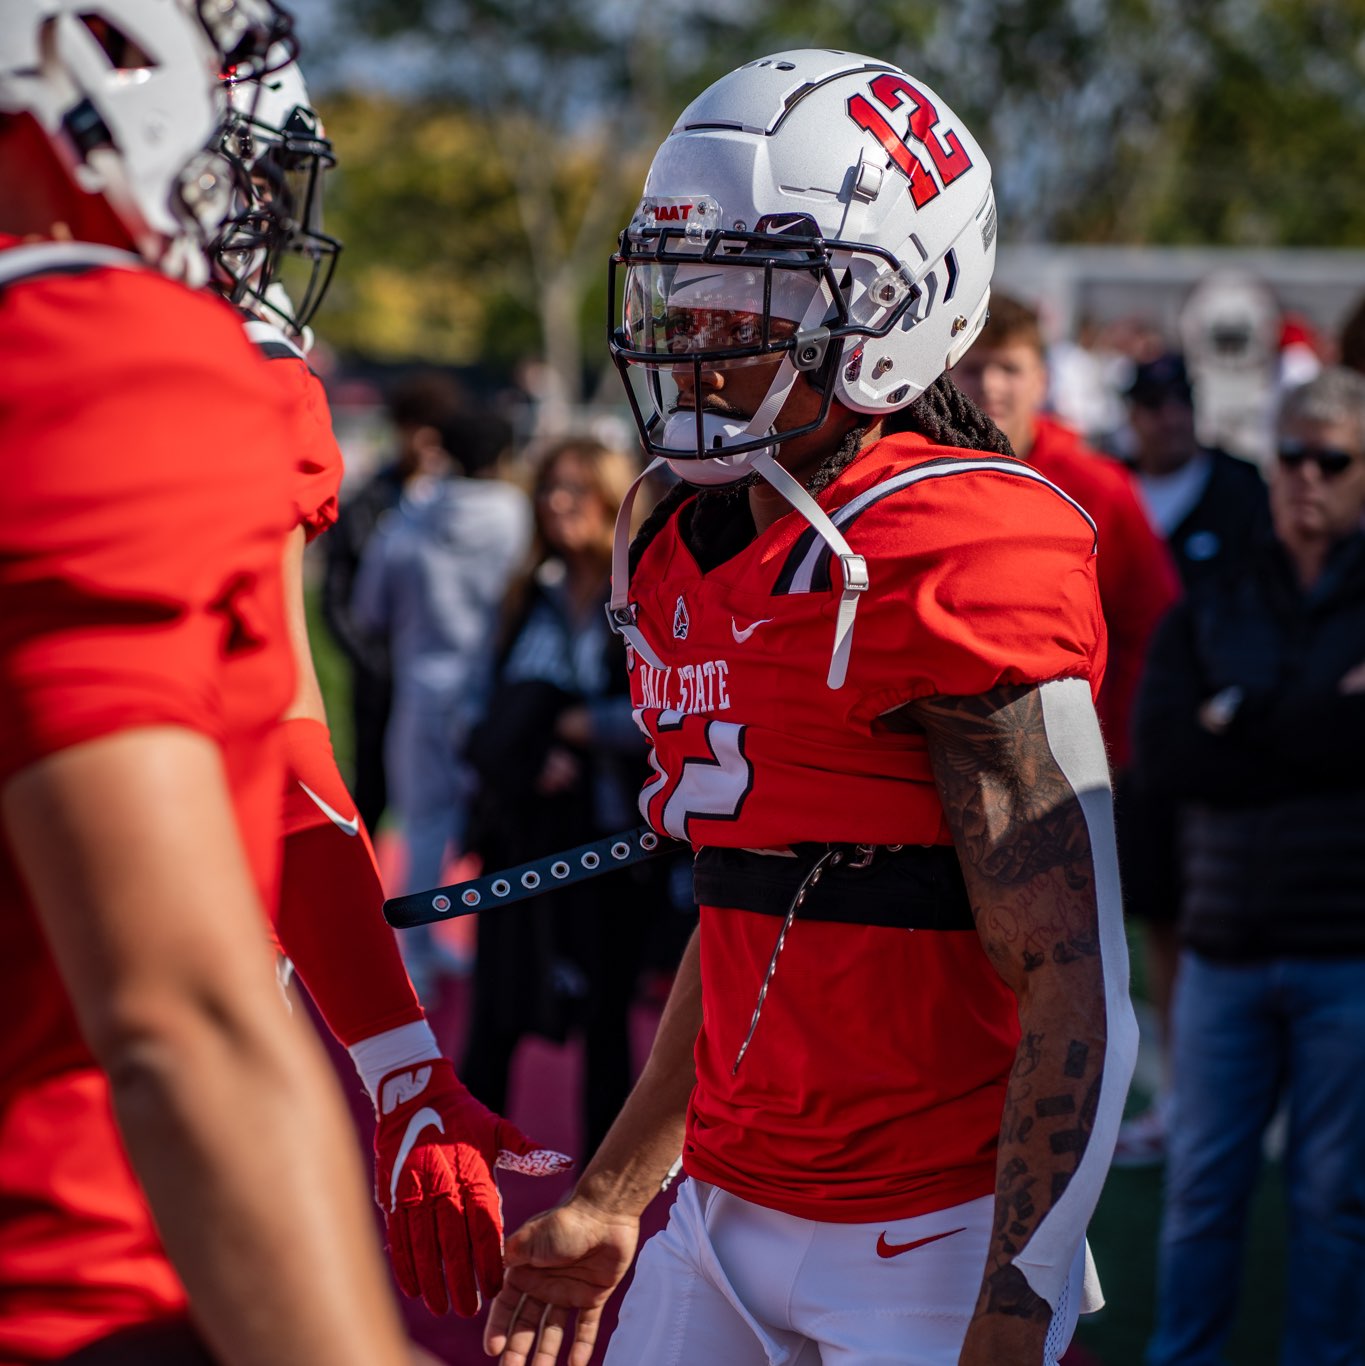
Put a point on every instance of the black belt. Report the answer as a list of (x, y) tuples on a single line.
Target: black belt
[(909, 887)]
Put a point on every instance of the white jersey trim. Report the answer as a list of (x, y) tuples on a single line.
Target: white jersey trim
[(1073, 733), (62, 258), (802, 579)]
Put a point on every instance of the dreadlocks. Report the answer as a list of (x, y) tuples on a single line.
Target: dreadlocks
[(947, 417), (942, 414)]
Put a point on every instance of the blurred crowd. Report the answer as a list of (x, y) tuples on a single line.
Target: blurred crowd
[(465, 584)]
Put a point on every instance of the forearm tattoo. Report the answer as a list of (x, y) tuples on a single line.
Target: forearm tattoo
[(1024, 846)]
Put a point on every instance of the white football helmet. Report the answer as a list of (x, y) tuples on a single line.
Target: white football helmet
[(277, 143), (819, 207), (126, 91), (814, 213)]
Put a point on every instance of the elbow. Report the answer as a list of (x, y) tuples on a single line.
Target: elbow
[(159, 1048)]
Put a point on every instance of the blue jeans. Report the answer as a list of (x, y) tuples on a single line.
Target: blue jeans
[(1246, 1037)]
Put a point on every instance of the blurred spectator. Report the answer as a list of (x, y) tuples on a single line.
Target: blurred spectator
[(1085, 380), (428, 587), (561, 762), (1253, 714), (1212, 509), (1301, 352), (418, 407), (1351, 343), (1005, 373)]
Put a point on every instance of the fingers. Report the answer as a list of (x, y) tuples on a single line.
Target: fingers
[(472, 1265), (426, 1258), (585, 1336), (531, 1335), (400, 1254), (502, 1314)]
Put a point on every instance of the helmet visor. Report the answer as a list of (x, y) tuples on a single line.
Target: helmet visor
[(713, 309)]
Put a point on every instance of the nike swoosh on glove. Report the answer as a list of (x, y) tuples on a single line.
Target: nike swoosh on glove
[(436, 1149)]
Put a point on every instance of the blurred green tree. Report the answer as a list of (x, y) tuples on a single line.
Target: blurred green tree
[(480, 204)]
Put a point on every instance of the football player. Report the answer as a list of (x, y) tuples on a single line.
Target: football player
[(144, 663), (436, 1147), (897, 1050)]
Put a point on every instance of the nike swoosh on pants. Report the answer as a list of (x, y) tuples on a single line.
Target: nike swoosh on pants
[(885, 1249)]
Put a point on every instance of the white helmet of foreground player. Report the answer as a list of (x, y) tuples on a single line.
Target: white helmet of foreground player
[(276, 140), (126, 92), (816, 208)]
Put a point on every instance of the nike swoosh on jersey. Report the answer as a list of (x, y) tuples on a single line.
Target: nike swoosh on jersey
[(348, 827), (742, 636), (425, 1118), (885, 1249)]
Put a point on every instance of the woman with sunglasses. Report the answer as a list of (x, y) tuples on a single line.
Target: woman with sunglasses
[(1252, 716)]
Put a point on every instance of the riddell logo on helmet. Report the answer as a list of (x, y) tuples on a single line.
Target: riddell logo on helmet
[(672, 213)]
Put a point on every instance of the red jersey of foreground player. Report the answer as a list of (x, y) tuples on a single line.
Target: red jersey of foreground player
[(984, 574), (140, 547), (1138, 581), (317, 462)]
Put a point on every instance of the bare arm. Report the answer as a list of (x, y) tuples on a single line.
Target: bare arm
[(307, 694), (573, 1257), (1022, 776), (130, 850)]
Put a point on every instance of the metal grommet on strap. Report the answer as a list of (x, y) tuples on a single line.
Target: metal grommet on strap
[(620, 850), (471, 897), (501, 887), (590, 859), (559, 869), (440, 903), (530, 880), (649, 840)]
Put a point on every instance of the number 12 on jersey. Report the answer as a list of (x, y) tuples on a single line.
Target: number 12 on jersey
[(701, 772)]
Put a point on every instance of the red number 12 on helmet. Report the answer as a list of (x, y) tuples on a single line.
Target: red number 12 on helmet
[(892, 91)]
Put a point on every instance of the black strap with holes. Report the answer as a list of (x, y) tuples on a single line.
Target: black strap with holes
[(527, 879)]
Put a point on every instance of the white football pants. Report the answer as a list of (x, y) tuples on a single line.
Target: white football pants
[(730, 1283)]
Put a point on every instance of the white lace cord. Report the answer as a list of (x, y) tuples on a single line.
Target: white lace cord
[(854, 567), (830, 858), (620, 613)]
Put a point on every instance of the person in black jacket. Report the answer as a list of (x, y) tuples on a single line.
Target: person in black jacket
[(1211, 509), (1252, 715)]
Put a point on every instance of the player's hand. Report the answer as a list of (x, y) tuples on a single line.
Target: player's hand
[(436, 1149), (561, 1266)]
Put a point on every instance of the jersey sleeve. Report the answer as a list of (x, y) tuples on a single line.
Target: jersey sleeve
[(994, 573), (140, 544), (331, 921), (317, 463)]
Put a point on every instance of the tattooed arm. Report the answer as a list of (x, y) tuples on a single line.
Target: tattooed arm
[(1025, 787)]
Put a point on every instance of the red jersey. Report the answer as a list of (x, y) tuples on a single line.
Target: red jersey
[(318, 464), (874, 1081), (140, 548), (1137, 577), (328, 917)]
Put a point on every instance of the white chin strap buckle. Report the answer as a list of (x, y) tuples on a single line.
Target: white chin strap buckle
[(717, 432)]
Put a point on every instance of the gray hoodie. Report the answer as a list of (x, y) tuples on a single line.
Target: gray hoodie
[(432, 581)]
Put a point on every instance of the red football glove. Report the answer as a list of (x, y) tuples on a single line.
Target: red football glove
[(435, 1152)]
